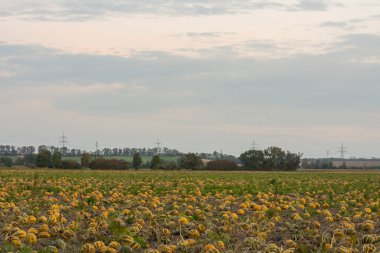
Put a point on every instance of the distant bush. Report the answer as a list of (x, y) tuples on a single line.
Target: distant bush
[(221, 165), (168, 166), (70, 165), (108, 164), (6, 161), (30, 160), (20, 161)]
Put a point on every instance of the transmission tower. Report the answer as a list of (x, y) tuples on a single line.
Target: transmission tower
[(341, 151), (158, 146), (96, 149), (327, 154), (253, 145), (63, 140)]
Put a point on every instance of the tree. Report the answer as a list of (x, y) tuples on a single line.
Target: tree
[(137, 161), (155, 163), (253, 159), (190, 161), (57, 159), (272, 158), (44, 158), (292, 161), (85, 160)]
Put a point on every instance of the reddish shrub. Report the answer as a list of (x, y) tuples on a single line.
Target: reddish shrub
[(221, 165), (108, 164)]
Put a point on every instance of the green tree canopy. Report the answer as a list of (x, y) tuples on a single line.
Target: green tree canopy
[(43, 158), (155, 163), (85, 160), (190, 161), (272, 158), (137, 161), (57, 159)]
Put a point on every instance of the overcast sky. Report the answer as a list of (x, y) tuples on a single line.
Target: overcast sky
[(200, 75)]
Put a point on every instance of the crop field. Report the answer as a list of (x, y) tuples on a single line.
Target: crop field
[(182, 211)]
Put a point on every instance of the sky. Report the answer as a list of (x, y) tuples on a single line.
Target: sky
[(200, 75)]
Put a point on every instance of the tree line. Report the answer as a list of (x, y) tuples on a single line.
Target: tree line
[(270, 159), (11, 150)]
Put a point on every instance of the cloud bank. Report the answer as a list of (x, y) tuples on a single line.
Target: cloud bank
[(65, 10), (221, 94)]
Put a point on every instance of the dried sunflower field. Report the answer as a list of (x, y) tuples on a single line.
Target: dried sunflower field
[(154, 211)]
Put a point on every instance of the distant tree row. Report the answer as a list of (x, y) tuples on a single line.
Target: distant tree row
[(142, 151), (28, 160), (270, 159), (328, 163), (218, 156), (318, 164), (10, 150)]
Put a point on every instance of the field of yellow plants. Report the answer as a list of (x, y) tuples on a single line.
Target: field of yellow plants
[(153, 211)]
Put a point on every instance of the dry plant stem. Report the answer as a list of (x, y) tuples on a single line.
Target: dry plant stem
[(180, 232)]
